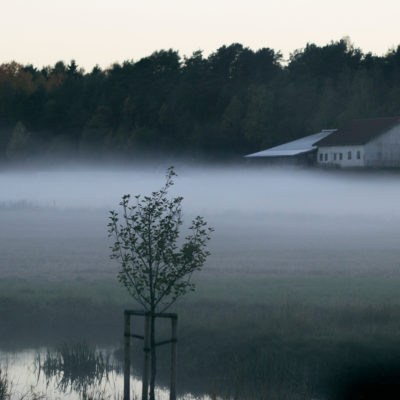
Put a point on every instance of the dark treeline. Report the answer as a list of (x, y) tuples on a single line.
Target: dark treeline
[(234, 101)]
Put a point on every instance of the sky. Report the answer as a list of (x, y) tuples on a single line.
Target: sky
[(41, 32)]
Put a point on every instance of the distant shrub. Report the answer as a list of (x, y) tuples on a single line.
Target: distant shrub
[(18, 205)]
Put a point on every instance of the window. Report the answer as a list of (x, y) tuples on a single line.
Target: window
[(340, 156), (326, 156), (349, 155), (334, 156), (321, 157), (358, 155)]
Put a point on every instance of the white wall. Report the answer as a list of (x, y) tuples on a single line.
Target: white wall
[(339, 156), (384, 150)]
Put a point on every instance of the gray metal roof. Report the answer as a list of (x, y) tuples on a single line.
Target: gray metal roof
[(299, 146)]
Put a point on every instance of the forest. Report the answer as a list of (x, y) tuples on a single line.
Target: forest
[(233, 102)]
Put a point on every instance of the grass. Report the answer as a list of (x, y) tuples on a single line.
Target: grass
[(285, 335), (307, 333), (4, 384), (240, 334), (275, 315), (7, 392)]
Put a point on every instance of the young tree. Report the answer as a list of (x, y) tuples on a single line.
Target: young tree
[(154, 269)]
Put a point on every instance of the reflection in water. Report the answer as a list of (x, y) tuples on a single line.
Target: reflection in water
[(4, 383), (39, 374), (75, 367)]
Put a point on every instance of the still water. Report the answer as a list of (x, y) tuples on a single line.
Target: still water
[(34, 374)]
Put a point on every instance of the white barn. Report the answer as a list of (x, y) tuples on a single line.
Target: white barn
[(362, 143)]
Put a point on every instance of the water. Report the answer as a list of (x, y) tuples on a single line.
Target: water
[(29, 379)]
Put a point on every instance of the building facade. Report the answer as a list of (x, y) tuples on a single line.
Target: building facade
[(362, 143), (341, 156)]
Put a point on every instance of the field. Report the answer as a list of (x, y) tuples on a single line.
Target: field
[(289, 306)]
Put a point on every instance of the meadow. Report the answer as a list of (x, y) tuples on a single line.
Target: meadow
[(241, 335), (289, 306)]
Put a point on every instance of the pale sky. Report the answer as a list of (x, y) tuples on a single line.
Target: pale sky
[(102, 32)]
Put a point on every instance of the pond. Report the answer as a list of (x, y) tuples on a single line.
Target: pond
[(72, 372)]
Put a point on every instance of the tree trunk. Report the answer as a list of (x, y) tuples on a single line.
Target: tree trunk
[(153, 357)]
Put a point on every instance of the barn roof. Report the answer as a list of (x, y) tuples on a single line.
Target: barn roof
[(359, 131), (299, 146)]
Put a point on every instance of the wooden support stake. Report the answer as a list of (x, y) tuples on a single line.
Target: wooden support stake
[(172, 392), (127, 353), (145, 382)]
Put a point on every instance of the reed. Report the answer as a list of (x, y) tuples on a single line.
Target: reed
[(77, 367), (4, 384)]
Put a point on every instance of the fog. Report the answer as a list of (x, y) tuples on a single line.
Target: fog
[(266, 218), (213, 190)]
